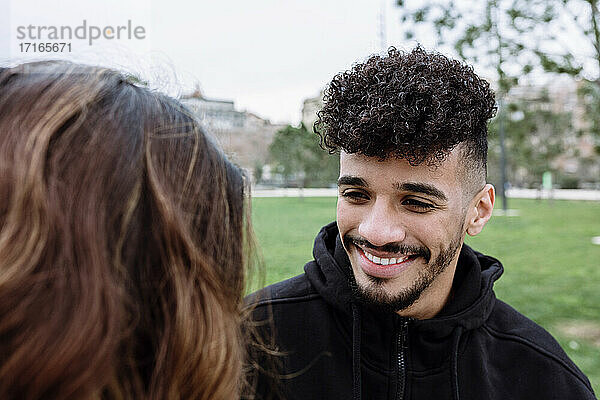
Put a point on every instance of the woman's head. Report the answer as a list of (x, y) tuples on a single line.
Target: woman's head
[(122, 233)]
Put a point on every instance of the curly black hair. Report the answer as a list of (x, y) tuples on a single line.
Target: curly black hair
[(417, 106)]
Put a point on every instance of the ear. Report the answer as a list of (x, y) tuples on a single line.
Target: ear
[(480, 210)]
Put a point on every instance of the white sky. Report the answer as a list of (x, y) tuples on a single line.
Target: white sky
[(266, 55)]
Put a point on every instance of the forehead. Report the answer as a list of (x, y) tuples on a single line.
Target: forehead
[(395, 170)]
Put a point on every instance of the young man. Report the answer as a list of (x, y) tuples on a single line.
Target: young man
[(394, 305)]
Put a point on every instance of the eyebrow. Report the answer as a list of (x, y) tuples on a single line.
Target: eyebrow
[(415, 187), (424, 188), (352, 181)]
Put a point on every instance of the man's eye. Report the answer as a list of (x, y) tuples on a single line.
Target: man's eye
[(355, 195), (418, 206)]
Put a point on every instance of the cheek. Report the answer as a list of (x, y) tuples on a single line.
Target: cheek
[(341, 216), (440, 232), (346, 217)]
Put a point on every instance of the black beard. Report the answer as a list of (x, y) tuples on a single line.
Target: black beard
[(373, 295)]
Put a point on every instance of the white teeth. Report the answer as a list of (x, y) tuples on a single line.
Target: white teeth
[(385, 261)]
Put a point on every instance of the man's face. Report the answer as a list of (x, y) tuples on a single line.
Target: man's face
[(402, 227)]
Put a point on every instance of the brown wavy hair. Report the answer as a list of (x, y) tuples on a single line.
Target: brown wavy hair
[(124, 242)]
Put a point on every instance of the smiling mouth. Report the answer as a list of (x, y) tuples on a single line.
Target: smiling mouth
[(384, 267), (387, 261)]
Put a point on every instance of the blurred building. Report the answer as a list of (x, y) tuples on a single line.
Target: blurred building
[(215, 115), (244, 136), (310, 106), (579, 160)]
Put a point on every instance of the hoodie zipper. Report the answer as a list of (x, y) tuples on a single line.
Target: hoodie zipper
[(401, 343)]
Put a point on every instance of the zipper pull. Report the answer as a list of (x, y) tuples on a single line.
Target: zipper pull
[(404, 333)]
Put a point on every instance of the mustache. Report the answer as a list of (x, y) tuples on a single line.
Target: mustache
[(388, 247)]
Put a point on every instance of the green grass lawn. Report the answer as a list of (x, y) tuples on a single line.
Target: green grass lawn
[(552, 270)]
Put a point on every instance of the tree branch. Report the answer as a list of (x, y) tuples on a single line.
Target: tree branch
[(594, 16)]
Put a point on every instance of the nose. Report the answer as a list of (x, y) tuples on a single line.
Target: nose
[(381, 226)]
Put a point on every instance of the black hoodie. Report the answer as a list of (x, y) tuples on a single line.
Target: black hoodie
[(477, 347)]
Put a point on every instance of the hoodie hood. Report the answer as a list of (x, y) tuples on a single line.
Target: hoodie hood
[(330, 346), (472, 290), (469, 306)]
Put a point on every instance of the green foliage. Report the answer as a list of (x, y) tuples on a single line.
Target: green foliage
[(298, 156), (472, 30), (568, 181), (514, 36), (258, 171), (535, 136), (590, 93), (551, 273), (561, 64)]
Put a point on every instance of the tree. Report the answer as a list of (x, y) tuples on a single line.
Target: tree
[(469, 27), (537, 138), (297, 155), (515, 38), (518, 37), (590, 94)]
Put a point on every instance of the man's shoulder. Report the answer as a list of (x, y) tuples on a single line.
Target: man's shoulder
[(508, 325), (293, 290)]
